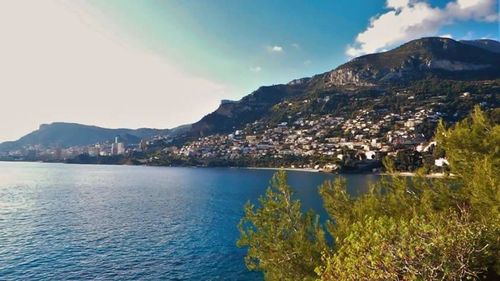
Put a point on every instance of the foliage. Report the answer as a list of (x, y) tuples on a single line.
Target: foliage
[(473, 150), (282, 242), (416, 228), (437, 248)]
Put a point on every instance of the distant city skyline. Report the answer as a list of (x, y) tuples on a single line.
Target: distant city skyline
[(161, 64)]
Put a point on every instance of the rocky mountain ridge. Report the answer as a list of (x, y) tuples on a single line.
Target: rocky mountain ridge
[(439, 59)]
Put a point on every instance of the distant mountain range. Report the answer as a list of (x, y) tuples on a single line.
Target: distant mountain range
[(441, 62), (61, 134)]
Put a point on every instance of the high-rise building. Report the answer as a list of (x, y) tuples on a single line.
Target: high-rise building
[(117, 148), (120, 148), (114, 149)]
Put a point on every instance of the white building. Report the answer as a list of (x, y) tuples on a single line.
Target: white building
[(117, 148), (441, 162)]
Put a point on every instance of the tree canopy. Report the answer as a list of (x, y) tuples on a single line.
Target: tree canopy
[(417, 228)]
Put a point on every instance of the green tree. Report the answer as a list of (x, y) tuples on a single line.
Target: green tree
[(472, 148), (283, 242), (462, 211), (439, 247), (416, 228)]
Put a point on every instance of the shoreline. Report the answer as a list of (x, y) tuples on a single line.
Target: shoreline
[(308, 170), (413, 174), (312, 170)]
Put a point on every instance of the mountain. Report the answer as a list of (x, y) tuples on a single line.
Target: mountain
[(443, 58), (440, 60), (61, 134), (250, 108), (434, 69), (487, 44)]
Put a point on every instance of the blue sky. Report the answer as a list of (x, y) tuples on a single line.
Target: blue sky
[(152, 63), (231, 41)]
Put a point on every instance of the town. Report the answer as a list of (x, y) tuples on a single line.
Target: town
[(325, 142), (351, 141)]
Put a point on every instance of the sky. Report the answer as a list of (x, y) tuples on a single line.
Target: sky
[(160, 64)]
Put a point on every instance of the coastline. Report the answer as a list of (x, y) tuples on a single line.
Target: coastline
[(310, 170), (412, 174)]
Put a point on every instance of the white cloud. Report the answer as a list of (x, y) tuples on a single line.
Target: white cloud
[(397, 4), (296, 46), (58, 63), (307, 62), (447, 35), (480, 10), (255, 69), (275, 49), (411, 19)]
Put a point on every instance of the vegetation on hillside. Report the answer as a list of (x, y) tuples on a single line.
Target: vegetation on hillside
[(401, 229)]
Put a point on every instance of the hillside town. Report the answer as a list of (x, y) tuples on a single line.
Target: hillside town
[(326, 142), (321, 142), (356, 142)]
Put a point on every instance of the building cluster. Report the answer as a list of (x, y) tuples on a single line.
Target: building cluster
[(41, 153), (369, 135), (357, 136)]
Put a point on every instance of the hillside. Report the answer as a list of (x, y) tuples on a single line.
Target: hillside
[(427, 57), (442, 61), (61, 134), (487, 44)]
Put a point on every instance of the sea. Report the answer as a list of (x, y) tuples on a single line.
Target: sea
[(100, 222)]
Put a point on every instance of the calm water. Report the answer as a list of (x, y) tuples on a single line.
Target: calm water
[(67, 222)]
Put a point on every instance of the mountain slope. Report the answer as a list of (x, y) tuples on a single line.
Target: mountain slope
[(487, 44), (231, 115), (427, 58), (418, 59), (71, 134)]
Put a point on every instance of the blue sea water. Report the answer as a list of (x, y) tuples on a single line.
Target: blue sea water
[(90, 222)]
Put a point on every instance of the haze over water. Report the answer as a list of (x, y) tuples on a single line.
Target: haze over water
[(67, 222)]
